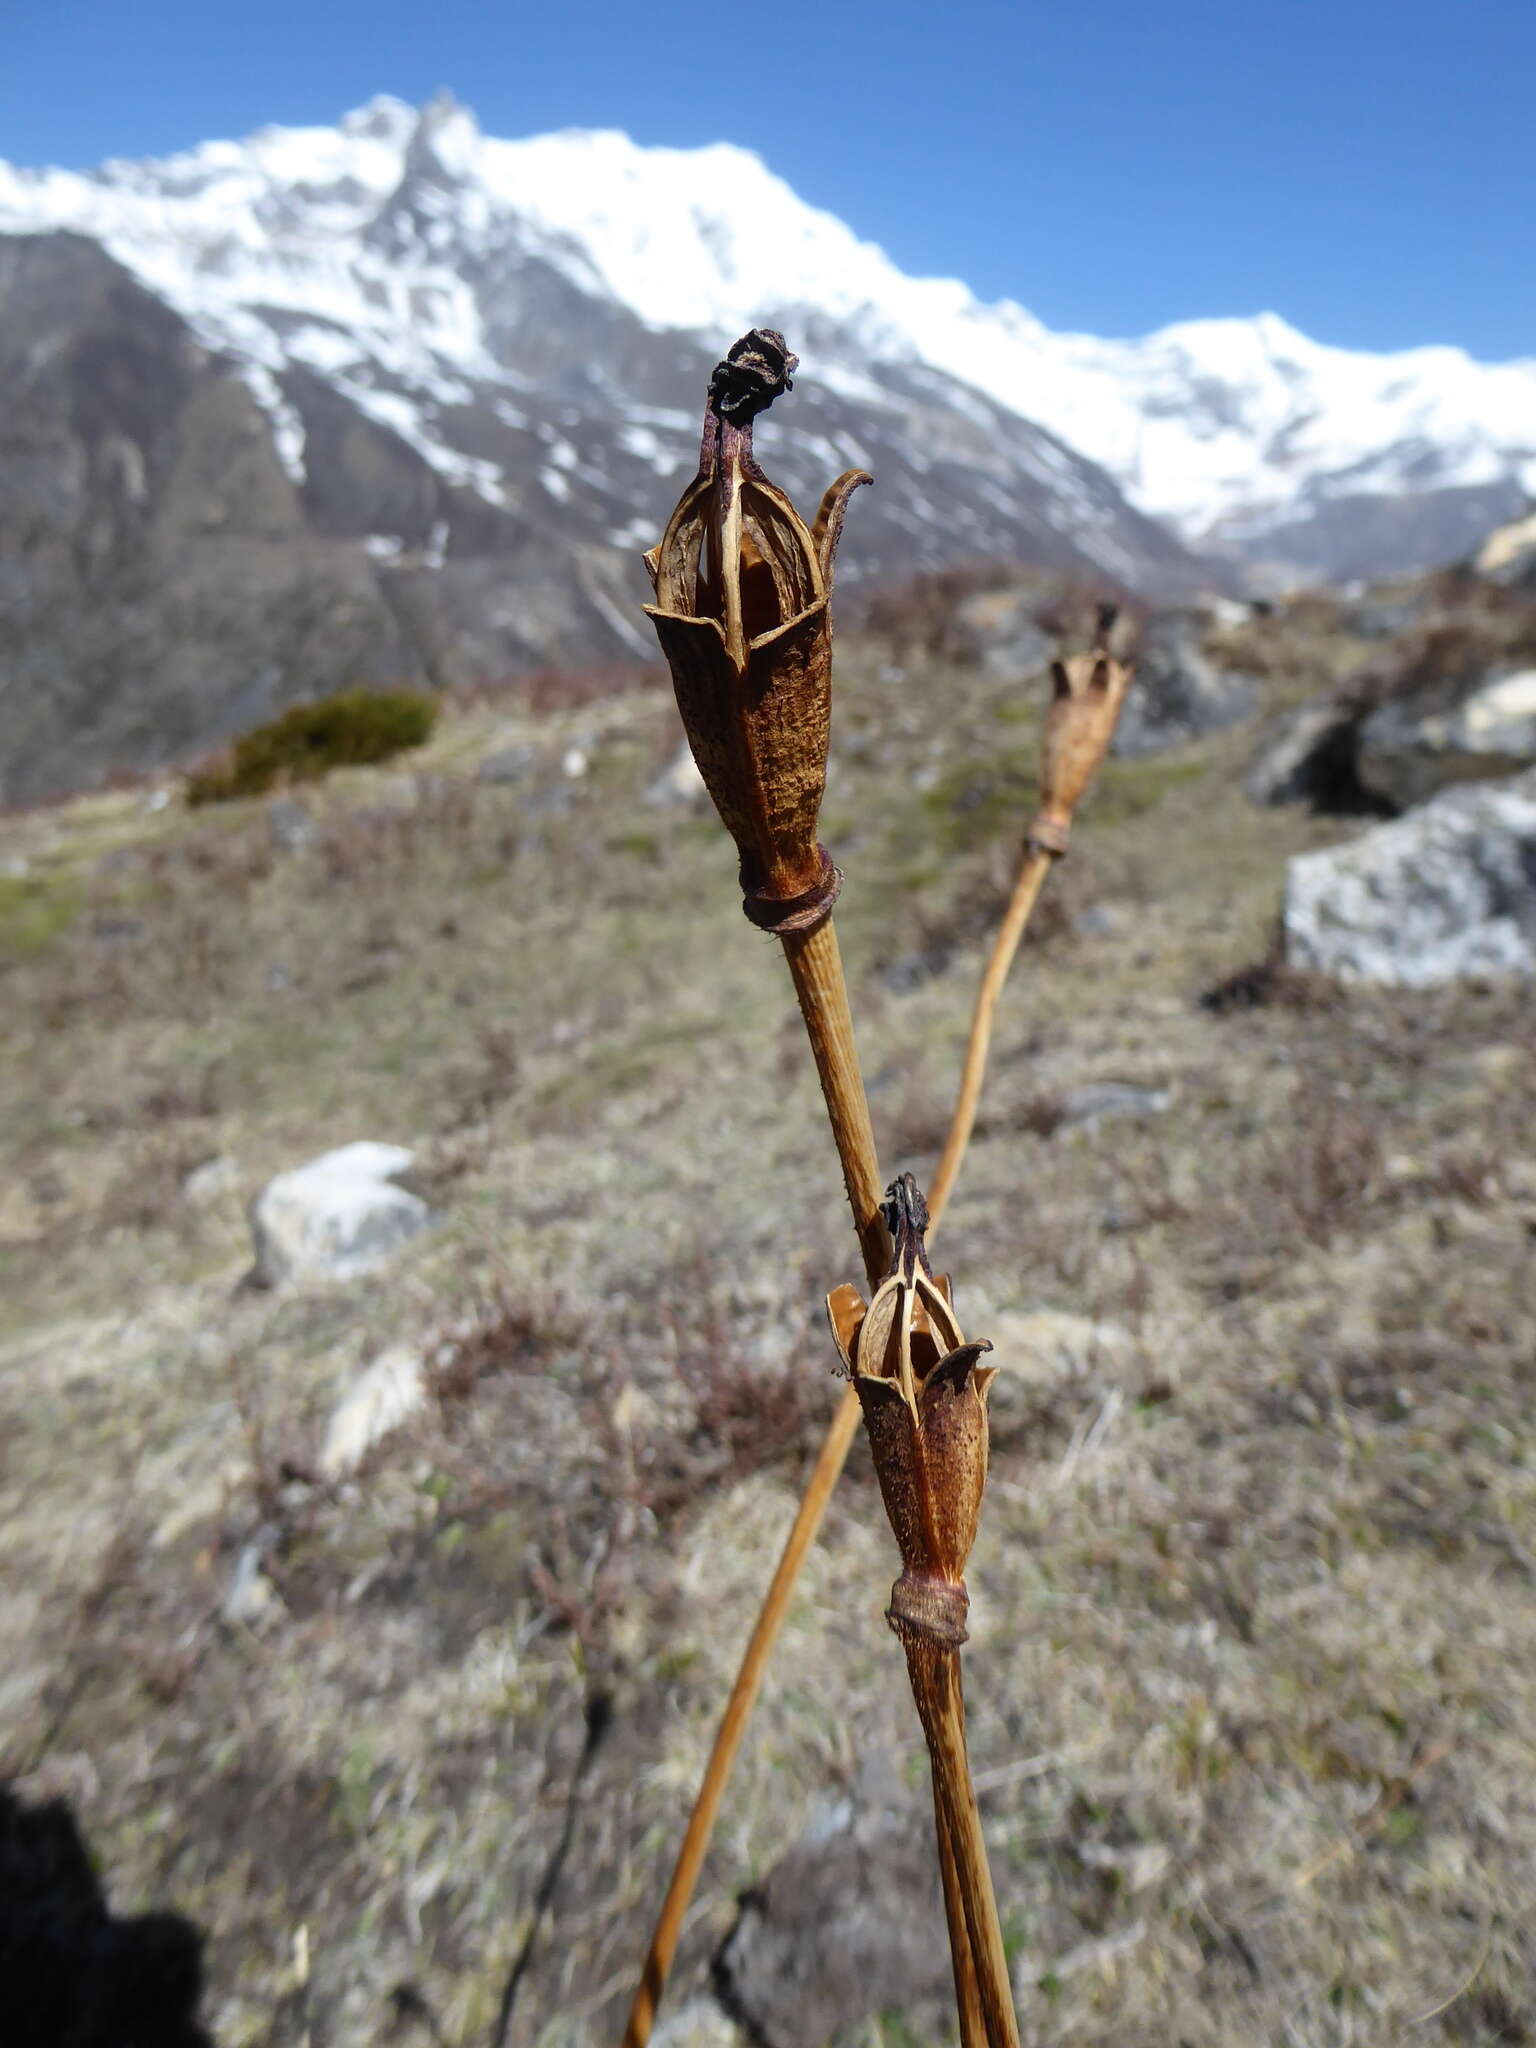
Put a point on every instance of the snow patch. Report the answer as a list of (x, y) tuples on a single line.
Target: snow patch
[(351, 250)]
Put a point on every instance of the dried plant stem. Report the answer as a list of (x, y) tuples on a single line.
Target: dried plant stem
[(816, 967), (1036, 866), (733, 1722), (815, 963), (935, 1675), (972, 2020)]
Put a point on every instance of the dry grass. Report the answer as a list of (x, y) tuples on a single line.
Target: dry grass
[(1253, 1603)]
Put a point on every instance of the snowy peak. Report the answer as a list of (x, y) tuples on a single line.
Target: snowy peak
[(371, 401), (379, 252)]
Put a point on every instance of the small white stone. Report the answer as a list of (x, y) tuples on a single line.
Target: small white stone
[(335, 1217), (213, 1178), (251, 1595), (385, 1394), (679, 782)]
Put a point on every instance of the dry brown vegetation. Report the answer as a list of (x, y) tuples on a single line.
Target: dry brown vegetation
[(1254, 1603)]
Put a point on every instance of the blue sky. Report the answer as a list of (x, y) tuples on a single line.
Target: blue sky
[(1364, 170)]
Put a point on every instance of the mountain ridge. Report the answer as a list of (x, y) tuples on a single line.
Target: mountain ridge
[(476, 367), (1228, 430)]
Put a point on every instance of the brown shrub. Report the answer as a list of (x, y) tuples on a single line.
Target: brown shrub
[(1321, 1174), (568, 688), (1489, 627), (919, 613)]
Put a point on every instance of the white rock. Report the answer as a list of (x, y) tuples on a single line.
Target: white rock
[(679, 782), (383, 1395), (1445, 892), (251, 1595), (698, 2024), (1509, 552), (336, 1216), (215, 1177), (1407, 752)]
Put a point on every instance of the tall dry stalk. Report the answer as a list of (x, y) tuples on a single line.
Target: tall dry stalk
[(743, 593), (1088, 692), (923, 1394)]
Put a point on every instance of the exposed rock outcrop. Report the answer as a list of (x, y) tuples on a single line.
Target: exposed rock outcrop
[(1447, 891), (1178, 693), (1408, 748)]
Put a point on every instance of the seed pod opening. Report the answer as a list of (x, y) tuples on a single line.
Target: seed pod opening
[(924, 1398), (742, 612), (1088, 693)]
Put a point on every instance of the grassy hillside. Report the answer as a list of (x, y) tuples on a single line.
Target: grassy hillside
[(1253, 1601)]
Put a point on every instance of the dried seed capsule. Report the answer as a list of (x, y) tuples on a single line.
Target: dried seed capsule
[(743, 590), (924, 1399), (1089, 692)]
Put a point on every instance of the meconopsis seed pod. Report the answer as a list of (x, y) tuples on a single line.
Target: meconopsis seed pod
[(924, 1399), (743, 593), (1088, 694)]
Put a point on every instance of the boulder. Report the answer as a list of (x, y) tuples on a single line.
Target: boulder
[(1445, 892), (335, 1217), (1303, 752), (1178, 692), (996, 630), (1410, 747)]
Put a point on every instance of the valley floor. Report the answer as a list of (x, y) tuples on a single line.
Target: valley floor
[(1253, 1664)]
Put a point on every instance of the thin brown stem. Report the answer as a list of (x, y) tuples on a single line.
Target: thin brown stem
[(973, 2024), (733, 1722), (1032, 874), (816, 967), (935, 1675), (815, 963)]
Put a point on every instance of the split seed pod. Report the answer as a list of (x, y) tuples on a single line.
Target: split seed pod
[(743, 593), (1090, 690), (925, 1410)]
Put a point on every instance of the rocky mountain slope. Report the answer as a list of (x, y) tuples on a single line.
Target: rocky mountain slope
[(463, 375), (393, 244), (289, 423)]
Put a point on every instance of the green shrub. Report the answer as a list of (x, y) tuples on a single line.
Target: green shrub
[(345, 731), (36, 910)]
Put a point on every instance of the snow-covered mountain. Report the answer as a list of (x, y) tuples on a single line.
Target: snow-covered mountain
[(396, 398), (368, 248)]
